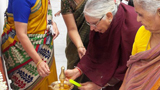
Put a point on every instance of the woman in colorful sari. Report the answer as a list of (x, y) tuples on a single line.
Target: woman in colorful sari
[(27, 44), (144, 65), (113, 27), (78, 32)]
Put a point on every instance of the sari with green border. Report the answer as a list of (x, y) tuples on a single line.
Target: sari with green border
[(20, 67)]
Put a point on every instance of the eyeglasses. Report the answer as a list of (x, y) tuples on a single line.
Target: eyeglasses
[(95, 25)]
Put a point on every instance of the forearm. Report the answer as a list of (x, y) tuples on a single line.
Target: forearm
[(74, 36), (72, 29), (28, 47), (21, 32)]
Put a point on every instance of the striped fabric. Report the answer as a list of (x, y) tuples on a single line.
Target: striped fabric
[(36, 8), (144, 71)]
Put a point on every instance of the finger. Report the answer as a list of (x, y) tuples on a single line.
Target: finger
[(67, 74), (57, 31), (81, 88), (47, 69), (41, 73), (40, 70), (84, 52), (80, 56), (46, 72), (56, 15), (56, 34), (67, 79), (54, 37)]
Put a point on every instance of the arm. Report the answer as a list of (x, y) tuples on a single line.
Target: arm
[(73, 33), (55, 29), (21, 31)]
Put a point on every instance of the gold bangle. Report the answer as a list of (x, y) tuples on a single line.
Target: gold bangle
[(80, 47), (39, 63)]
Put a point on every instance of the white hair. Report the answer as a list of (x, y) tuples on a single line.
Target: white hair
[(149, 5), (98, 8)]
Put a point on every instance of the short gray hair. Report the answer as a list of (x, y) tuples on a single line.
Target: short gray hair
[(98, 8), (149, 5)]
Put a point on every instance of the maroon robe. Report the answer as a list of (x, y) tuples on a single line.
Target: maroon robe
[(108, 53)]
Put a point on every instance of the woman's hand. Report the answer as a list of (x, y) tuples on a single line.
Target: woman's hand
[(81, 51), (43, 69), (89, 86), (55, 29), (58, 13), (72, 73)]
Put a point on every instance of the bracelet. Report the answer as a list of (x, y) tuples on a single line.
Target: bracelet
[(79, 70), (80, 47), (39, 63)]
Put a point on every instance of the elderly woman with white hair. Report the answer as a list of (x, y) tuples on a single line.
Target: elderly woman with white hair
[(144, 65), (113, 27)]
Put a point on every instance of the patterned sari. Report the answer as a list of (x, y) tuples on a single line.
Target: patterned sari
[(20, 66), (144, 71), (70, 7)]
